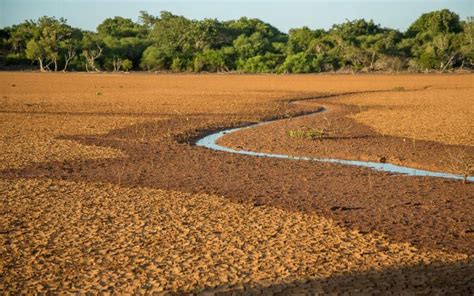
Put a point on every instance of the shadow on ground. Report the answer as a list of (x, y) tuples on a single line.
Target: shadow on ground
[(450, 279)]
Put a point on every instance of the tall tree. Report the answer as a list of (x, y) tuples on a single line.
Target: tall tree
[(92, 48), (124, 42), (44, 47), (434, 41)]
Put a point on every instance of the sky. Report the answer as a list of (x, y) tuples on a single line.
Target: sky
[(283, 14)]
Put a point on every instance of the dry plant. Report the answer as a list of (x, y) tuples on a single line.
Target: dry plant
[(137, 174), (462, 163), (143, 135), (332, 130), (119, 171), (152, 164), (413, 142), (370, 180), (156, 127)]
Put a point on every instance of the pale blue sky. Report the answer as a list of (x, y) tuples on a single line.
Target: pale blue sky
[(284, 14)]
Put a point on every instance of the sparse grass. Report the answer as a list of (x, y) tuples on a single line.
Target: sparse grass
[(328, 130)]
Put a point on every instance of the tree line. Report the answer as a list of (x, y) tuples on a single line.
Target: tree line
[(436, 41)]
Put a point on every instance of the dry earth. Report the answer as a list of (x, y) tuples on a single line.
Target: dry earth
[(98, 237), (32, 138), (439, 113), (101, 192), (346, 138)]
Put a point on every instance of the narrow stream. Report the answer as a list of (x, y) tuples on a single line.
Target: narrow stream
[(210, 143)]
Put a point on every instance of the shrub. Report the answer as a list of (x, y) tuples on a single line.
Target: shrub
[(16, 59), (296, 63), (127, 65), (155, 59), (177, 65), (209, 60), (260, 63)]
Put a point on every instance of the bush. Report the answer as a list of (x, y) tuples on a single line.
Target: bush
[(177, 65), (127, 65), (260, 64), (155, 59), (16, 59), (296, 63), (209, 60), (393, 64), (428, 60)]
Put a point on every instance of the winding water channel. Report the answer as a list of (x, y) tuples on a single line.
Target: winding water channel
[(210, 142)]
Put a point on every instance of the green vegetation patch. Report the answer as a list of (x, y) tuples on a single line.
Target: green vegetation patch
[(436, 41)]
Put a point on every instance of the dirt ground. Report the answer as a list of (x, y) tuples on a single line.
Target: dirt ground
[(103, 190), (346, 138)]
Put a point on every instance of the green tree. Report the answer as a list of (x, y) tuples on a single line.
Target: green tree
[(69, 47), (300, 40), (210, 34), (250, 26), (35, 52), (120, 27), (359, 43), (20, 35), (148, 21), (123, 40), (467, 44), (171, 37), (44, 46), (173, 33), (435, 22), (92, 48), (250, 46), (435, 40)]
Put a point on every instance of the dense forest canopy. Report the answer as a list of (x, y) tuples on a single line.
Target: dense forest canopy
[(436, 41)]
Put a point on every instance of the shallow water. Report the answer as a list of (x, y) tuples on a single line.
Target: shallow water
[(210, 142)]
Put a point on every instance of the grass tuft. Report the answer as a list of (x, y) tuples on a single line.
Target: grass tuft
[(311, 133)]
